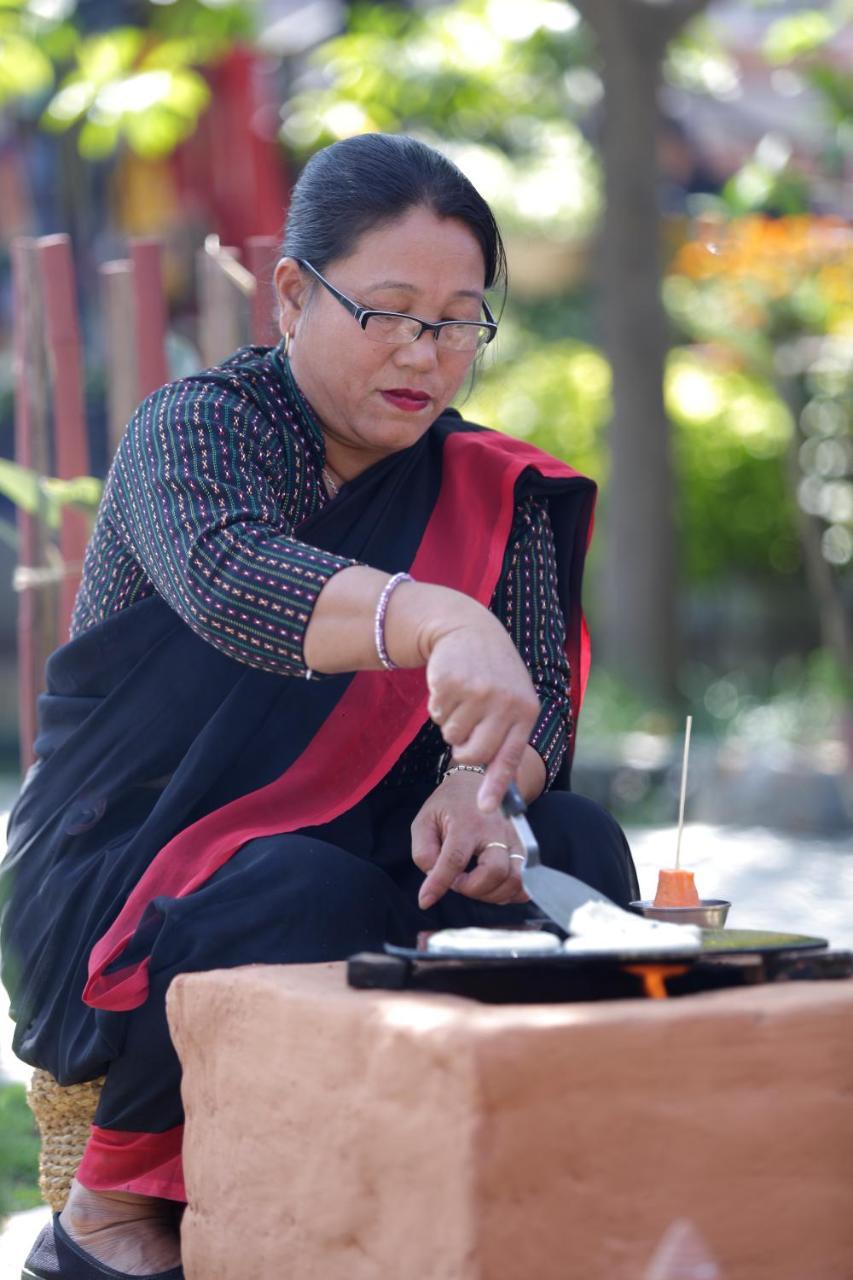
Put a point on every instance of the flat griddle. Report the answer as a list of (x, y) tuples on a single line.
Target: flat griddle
[(727, 958)]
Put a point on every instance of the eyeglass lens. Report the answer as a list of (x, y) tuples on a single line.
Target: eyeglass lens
[(390, 328)]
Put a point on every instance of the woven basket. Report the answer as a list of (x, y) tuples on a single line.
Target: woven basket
[(64, 1115)]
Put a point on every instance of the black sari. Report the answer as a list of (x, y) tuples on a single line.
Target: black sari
[(159, 757)]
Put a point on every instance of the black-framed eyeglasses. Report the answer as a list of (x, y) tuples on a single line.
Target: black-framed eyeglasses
[(395, 327)]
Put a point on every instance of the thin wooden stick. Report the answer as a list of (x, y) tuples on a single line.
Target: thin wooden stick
[(683, 791)]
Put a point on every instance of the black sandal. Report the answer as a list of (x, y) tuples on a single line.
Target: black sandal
[(55, 1256)]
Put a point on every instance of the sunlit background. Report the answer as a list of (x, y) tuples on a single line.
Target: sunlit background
[(694, 184), (188, 119)]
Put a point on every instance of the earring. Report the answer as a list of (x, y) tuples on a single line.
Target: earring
[(286, 341)]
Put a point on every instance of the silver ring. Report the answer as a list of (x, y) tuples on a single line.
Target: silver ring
[(522, 857), (497, 844)]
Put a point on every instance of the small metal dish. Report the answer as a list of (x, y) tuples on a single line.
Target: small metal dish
[(710, 914)]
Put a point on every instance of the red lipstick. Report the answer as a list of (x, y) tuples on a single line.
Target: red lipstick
[(407, 399)]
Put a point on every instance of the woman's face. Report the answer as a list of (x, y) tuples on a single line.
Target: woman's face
[(374, 399)]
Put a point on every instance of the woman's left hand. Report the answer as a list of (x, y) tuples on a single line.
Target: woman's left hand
[(449, 831)]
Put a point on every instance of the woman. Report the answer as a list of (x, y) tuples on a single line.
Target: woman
[(323, 623)]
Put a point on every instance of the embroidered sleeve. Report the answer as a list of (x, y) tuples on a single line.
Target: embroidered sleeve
[(192, 497), (526, 600)]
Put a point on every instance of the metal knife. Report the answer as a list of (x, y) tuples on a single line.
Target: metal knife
[(554, 892)]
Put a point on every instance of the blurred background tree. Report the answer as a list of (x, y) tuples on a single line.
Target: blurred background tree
[(566, 203), (613, 139), (674, 181), (776, 297), (120, 74)]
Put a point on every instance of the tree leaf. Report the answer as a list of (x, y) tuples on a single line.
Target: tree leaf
[(98, 138), (188, 94), (175, 54), (797, 35), (68, 104), (25, 70), (22, 487), (156, 131), (45, 496), (82, 491), (104, 57)]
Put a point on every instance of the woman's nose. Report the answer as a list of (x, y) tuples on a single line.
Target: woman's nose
[(423, 353)]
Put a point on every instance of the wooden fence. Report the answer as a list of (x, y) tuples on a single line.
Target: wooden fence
[(235, 306)]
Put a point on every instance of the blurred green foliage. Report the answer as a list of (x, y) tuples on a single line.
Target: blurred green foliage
[(767, 181), (44, 496), (462, 69), (455, 74), (799, 700), (736, 513), (19, 1148), (773, 300), (555, 394), (802, 33), (731, 434), (137, 85), (698, 61), (772, 180)]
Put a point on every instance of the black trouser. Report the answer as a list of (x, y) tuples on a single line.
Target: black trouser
[(323, 895)]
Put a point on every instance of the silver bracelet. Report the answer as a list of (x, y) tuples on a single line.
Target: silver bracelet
[(379, 618), (463, 768)]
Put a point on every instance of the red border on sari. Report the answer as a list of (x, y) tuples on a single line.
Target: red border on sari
[(148, 1164), (376, 718)]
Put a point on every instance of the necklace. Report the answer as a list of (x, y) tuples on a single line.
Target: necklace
[(334, 489)]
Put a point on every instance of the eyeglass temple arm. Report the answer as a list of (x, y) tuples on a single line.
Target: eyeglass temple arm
[(352, 307), (363, 314)]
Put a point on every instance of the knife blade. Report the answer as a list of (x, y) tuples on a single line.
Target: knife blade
[(556, 893)]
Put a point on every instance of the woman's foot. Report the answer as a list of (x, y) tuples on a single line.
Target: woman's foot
[(134, 1234)]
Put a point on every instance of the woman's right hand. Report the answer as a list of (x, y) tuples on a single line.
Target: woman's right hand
[(480, 692)]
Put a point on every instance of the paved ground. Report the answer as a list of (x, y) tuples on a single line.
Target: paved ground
[(17, 1240), (774, 880), (797, 884)]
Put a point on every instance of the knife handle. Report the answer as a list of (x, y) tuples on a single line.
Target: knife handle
[(515, 809), (513, 802)]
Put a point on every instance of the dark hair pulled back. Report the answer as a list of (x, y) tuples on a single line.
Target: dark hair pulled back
[(358, 184)]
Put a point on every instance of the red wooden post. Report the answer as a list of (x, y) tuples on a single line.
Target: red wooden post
[(36, 627), (71, 452), (151, 315), (261, 256), (118, 308)]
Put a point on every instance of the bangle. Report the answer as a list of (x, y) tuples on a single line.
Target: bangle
[(379, 618), (463, 768)]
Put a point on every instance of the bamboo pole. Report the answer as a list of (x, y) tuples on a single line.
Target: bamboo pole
[(71, 451), (261, 257), (225, 289), (36, 623), (120, 347), (151, 314)]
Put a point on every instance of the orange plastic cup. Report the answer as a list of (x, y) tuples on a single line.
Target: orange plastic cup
[(676, 889)]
